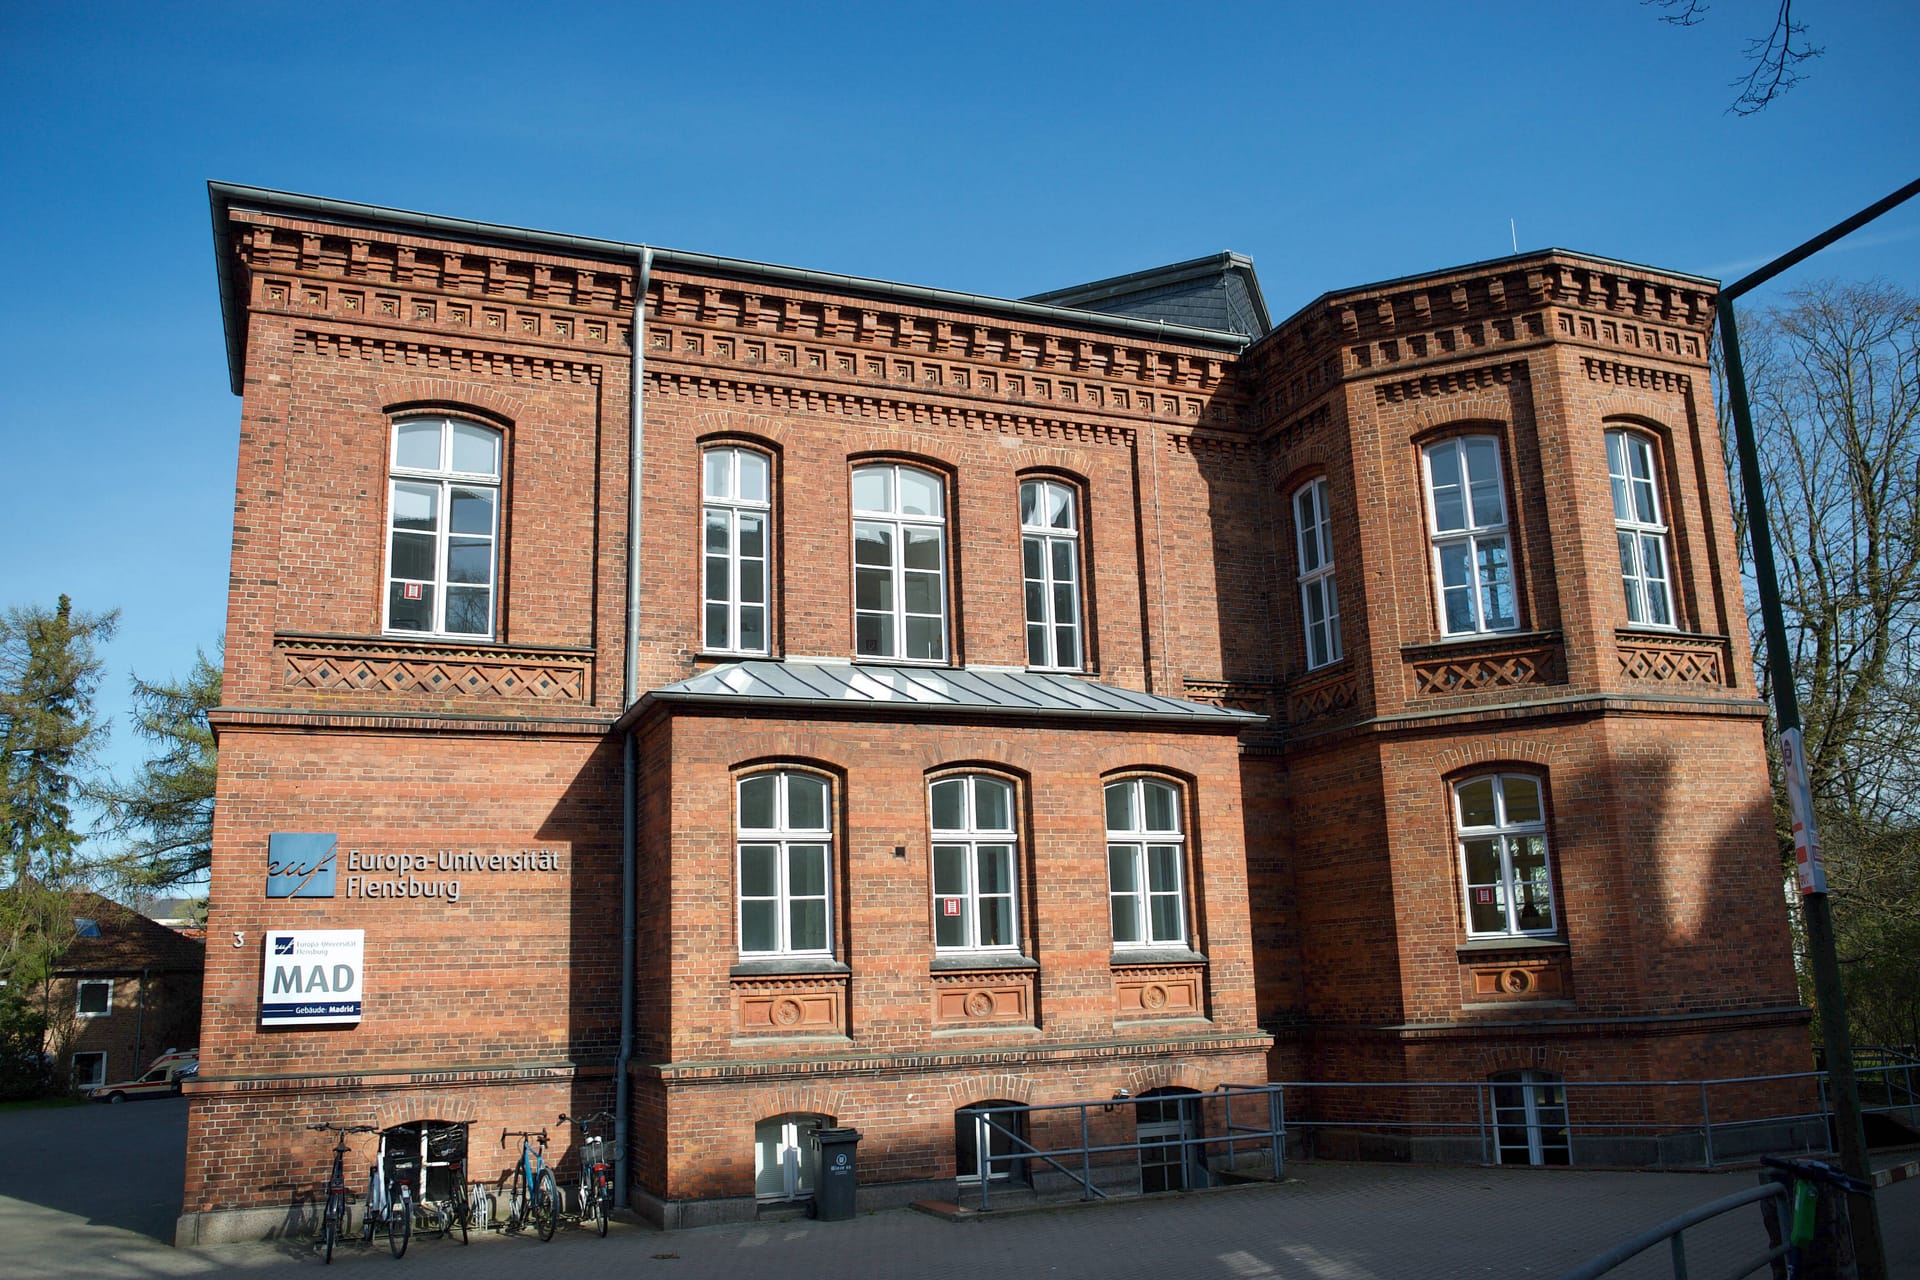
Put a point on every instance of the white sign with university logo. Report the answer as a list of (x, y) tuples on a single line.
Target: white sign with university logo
[(312, 977)]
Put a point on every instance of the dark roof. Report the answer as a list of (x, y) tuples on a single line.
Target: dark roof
[(995, 692), (1219, 292), (127, 941)]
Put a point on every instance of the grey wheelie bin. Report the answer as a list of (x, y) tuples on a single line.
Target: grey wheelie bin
[(838, 1174)]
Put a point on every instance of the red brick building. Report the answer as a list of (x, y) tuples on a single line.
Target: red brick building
[(975, 700), (124, 991)]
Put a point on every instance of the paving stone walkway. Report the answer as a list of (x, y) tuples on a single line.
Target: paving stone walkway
[(69, 1206)]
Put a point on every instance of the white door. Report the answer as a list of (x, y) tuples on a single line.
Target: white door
[(783, 1157)]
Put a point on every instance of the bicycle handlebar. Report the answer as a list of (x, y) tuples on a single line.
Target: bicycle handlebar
[(1818, 1171), (584, 1121), (540, 1135)]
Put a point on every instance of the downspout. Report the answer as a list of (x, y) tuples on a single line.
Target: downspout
[(630, 778)]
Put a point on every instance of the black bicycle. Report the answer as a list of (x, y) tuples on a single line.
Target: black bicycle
[(333, 1219), (596, 1170)]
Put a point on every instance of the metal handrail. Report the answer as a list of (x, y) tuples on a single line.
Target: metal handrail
[(1673, 1230)]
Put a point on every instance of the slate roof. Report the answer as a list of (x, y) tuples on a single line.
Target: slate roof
[(1219, 292), (993, 692), (128, 941)]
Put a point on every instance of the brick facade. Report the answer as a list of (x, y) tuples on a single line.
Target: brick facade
[(1322, 923)]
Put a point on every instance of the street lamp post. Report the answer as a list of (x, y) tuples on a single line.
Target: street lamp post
[(1829, 995)]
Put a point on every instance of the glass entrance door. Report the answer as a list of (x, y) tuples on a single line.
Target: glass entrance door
[(783, 1157), (1164, 1121), (1530, 1118)]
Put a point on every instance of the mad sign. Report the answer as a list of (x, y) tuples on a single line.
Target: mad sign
[(311, 977)]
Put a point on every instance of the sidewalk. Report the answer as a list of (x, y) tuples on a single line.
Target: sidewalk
[(1334, 1222)]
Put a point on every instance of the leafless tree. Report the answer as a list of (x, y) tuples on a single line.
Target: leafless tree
[(1834, 379), (1776, 60)]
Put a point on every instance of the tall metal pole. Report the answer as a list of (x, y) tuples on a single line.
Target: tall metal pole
[(1829, 996)]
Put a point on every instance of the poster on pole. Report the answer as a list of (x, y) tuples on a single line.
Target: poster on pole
[(1810, 870), (311, 977)]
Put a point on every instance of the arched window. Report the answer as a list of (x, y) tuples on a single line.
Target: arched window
[(1145, 853), (785, 864), (899, 564), (1002, 1134), (443, 528), (974, 901), (737, 513), (1639, 528), (1472, 556), (785, 1164), (1502, 826), (1050, 554), (1319, 603)]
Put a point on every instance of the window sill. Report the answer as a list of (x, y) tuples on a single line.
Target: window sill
[(1447, 644), (948, 963), (1641, 630), (1518, 942), (789, 966), (1155, 956)]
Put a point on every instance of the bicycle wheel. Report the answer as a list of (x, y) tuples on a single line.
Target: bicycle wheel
[(461, 1209), (400, 1223), (333, 1223), (546, 1206), (600, 1194)]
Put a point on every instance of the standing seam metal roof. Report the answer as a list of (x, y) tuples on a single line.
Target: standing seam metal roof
[(844, 684)]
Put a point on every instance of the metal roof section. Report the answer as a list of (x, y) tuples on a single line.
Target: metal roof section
[(995, 691), (223, 197), (1220, 292)]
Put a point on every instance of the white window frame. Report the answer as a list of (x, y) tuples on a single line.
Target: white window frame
[(79, 1001), (1484, 540), (1640, 530), (970, 1127), (730, 500), (899, 525), (1050, 575), (1134, 845), (442, 480), (1506, 834), (974, 841), (1313, 549), (97, 1077), (786, 839)]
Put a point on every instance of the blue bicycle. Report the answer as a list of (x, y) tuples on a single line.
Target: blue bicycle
[(533, 1196)]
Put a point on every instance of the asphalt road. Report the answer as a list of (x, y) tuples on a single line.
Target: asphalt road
[(93, 1191)]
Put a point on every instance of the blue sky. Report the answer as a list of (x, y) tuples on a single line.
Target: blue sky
[(994, 148)]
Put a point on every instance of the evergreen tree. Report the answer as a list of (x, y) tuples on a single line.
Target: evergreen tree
[(49, 672), (166, 814)]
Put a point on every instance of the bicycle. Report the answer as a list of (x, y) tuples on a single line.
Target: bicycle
[(389, 1204), (533, 1196), (596, 1171), (333, 1220), (1800, 1226), (442, 1216)]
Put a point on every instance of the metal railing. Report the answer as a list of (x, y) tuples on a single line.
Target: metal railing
[(1242, 1132), (1673, 1232), (1004, 1138)]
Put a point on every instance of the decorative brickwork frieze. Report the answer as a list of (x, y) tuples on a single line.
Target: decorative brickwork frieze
[(1232, 694), (770, 396), (1515, 979), (984, 997), (1483, 665), (416, 355), (1451, 382), (1158, 991), (1637, 376), (1672, 659), (1323, 693), (347, 665), (809, 1005)]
